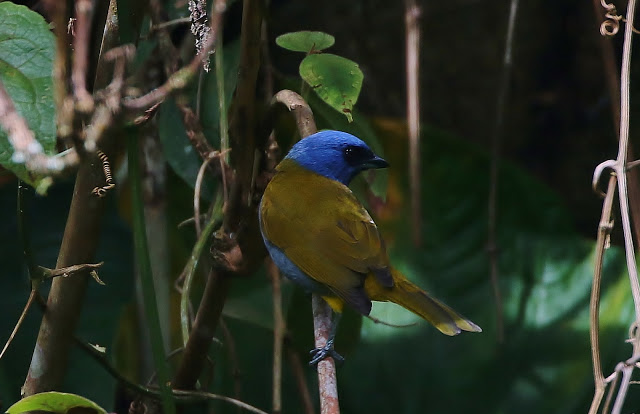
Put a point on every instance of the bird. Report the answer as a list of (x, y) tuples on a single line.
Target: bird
[(322, 238)]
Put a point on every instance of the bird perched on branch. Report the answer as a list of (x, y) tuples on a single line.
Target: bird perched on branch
[(322, 238)]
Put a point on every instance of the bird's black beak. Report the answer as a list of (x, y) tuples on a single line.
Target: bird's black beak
[(375, 162)]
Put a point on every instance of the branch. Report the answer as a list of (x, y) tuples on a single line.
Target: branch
[(79, 242), (84, 100), (278, 335), (412, 23), (243, 113), (204, 327), (299, 109), (620, 168), (66, 297), (604, 231), (327, 381), (235, 258), (183, 396), (496, 138), (298, 372)]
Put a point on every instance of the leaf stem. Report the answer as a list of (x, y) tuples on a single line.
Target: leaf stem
[(222, 107), (192, 264)]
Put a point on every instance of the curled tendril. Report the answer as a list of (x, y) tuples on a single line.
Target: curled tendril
[(611, 25)]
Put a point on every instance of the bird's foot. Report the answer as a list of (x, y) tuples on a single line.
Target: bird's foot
[(328, 350)]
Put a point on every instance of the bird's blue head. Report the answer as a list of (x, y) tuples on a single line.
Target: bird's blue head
[(336, 155)]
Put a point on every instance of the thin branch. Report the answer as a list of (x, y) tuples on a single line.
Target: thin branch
[(230, 346), (57, 11), (105, 114), (179, 395), (412, 22), (604, 231), (496, 139), (18, 324), (299, 109), (327, 381), (620, 168), (204, 327), (84, 100), (622, 158), (278, 335), (298, 371), (196, 195), (165, 25), (222, 104)]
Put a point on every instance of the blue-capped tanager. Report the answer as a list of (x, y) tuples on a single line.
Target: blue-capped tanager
[(320, 236)]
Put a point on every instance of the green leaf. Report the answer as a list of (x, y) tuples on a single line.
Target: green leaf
[(27, 49), (305, 41), (335, 79), (54, 402)]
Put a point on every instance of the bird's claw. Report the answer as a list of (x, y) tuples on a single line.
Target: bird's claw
[(328, 350)]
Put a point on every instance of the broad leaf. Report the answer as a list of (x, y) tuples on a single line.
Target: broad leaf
[(55, 402), (27, 49), (335, 79), (305, 41)]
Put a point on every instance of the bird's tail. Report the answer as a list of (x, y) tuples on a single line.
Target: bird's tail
[(411, 297)]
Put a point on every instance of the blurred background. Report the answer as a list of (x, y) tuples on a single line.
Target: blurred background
[(558, 127)]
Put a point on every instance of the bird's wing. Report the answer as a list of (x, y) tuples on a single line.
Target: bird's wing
[(325, 231)]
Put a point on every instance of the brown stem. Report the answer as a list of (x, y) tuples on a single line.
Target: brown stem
[(604, 231), (57, 11), (64, 305), (230, 345), (243, 113), (237, 212), (80, 239), (327, 382), (412, 22), (612, 79), (278, 336), (204, 327), (84, 100), (297, 369)]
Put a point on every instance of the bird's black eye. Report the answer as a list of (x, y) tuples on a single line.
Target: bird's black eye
[(355, 155)]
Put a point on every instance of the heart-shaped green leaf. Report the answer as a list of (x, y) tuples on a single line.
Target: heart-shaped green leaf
[(305, 41), (27, 49), (335, 79)]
